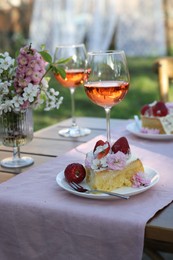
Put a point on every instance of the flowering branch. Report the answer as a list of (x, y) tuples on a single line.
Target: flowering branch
[(23, 80)]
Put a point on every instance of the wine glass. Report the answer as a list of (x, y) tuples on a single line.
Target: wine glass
[(108, 80), (74, 69)]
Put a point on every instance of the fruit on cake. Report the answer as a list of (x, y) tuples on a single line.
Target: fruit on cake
[(110, 167), (158, 117), (75, 172)]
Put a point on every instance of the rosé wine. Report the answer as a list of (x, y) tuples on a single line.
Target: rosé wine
[(106, 93), (74, 78)]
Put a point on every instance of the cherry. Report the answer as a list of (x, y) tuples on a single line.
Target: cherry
[(75, 172)]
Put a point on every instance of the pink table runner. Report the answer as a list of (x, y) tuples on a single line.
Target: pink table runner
[(41, 221)]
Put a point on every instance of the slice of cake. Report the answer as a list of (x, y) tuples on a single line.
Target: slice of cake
[(110, 167), (157, 116)]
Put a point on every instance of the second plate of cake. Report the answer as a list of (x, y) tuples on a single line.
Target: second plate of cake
[(129, 191), (136, 130)]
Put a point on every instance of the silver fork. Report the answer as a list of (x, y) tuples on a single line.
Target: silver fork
[(79, 188)]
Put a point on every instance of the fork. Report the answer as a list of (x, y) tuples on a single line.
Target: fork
[(79, 188)]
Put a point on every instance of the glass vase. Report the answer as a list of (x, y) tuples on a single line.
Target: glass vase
[(16, 131)]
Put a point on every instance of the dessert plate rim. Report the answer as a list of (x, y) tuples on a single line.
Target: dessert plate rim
[(129, 191), (132, 128)]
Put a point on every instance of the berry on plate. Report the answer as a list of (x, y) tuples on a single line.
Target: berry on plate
[(121, 145), (75, 172)]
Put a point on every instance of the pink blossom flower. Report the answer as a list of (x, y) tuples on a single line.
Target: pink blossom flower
[(29, 72), (22, 83), (25, 104), (145, 130), (116, 161), (28, 79), (37, 67), (36, 77), (30, 63), (140, 179), (22, 60)]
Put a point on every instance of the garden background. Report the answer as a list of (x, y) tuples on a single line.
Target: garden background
[(15, 21)]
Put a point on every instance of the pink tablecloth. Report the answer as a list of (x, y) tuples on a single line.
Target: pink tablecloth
[(41, 221)]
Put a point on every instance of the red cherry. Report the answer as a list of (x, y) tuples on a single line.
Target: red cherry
[(121, 145), (75, 172), (160, 109), (144, 109)]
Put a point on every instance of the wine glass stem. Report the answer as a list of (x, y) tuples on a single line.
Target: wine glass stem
[(16, 153), (108, 110), (72, 91)]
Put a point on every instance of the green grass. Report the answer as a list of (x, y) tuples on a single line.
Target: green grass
[(143, 89)]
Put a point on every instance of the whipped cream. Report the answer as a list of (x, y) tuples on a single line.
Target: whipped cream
[(102, 164)]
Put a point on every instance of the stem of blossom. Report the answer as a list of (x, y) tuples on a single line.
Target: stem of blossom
[(45, 73)]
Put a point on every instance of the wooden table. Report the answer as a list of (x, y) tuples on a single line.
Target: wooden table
[(47, 144)]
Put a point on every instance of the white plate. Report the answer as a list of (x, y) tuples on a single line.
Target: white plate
[(129, 191), (132, 128)]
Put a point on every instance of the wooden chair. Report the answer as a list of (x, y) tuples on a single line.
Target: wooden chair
[(164, 69)]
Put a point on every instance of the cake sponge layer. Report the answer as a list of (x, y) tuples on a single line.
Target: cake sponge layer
[(109, 180), (152, 123)]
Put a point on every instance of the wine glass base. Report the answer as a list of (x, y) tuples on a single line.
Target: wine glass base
[(74, 132), (17, 163)]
